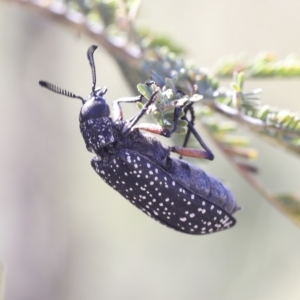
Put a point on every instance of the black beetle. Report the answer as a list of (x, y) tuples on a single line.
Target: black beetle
[(140, 168)]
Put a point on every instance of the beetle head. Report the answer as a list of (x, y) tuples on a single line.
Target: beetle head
[(95, 105)]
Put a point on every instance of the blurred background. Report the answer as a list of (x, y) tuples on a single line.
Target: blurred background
[(64, 234)]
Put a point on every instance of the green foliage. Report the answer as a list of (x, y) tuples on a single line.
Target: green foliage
[(166, 100), (263, 65)]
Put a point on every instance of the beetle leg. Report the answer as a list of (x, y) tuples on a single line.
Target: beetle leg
[(157, 129), (189, 108), (192, 152), (141, 112), (177, 112), (117, 110), (154, 128), (191, 127)]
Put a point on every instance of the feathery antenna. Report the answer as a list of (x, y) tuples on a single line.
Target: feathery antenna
[(90, 55), (59, 90)]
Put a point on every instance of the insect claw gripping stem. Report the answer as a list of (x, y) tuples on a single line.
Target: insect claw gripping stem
[(140, 114), (118, 114), (171, 191)]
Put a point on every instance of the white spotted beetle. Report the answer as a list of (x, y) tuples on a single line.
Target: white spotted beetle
[(140, 168)]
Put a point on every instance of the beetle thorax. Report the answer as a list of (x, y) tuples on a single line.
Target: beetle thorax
[(95, 124), (97, 133)]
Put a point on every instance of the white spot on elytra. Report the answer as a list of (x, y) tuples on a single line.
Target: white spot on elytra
[(182, 219)]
